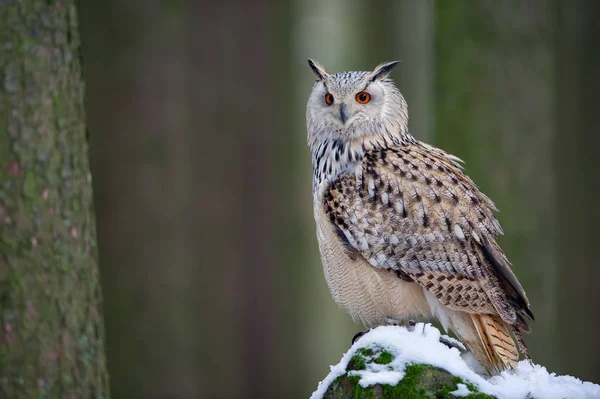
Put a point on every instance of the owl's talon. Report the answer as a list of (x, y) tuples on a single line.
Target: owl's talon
[(408, 324), (450, 343), (358, 335)]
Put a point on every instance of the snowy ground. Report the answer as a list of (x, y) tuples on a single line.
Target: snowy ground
[(422, 346)]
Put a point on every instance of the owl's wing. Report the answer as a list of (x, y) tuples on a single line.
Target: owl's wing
[(412, 209)]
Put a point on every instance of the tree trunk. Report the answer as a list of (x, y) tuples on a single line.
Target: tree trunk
[(51, 336)]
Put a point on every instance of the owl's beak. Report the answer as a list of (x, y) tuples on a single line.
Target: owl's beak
[(343, 113)]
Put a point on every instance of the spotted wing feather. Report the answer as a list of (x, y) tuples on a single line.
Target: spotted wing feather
[(414, 210)]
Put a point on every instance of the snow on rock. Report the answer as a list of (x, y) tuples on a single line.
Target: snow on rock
[(462, 390), (423, 346)]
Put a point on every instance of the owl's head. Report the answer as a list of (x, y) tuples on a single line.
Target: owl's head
[(350, 105)]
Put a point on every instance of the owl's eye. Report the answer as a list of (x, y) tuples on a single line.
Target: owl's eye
[(329, 98), (363, 97)]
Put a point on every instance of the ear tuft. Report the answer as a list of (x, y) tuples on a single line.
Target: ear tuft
[(318, 69), (382, 71)]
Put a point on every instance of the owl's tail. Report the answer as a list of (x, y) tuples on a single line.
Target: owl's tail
[(499, 346)]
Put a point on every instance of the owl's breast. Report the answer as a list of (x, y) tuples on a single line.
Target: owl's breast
[(369, 294)]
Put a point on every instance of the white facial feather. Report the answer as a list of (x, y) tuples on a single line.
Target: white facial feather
[(340, 132)]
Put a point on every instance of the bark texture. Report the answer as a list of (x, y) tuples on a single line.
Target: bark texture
[(51, 326)]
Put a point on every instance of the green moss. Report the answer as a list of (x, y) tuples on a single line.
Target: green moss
[(357, 362), (384, 358), (362, 357), (368, 352), (474, 389), (420, 380)]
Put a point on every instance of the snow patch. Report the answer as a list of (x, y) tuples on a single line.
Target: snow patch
[(462, 390), (422, 346)]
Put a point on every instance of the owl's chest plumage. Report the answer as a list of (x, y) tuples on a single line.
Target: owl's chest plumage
[(368, 293)]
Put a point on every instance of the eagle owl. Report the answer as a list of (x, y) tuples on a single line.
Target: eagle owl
[(403, 232)]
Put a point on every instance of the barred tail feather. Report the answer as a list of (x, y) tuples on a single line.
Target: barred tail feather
[(499, 346)]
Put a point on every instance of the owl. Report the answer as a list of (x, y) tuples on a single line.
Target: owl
[(403, 232)]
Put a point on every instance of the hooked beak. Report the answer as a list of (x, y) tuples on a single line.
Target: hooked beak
[(343, 113)]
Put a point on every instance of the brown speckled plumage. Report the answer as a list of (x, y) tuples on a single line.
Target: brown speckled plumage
[(401, 226)]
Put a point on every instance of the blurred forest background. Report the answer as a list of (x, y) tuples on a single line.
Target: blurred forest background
[(212, 285)]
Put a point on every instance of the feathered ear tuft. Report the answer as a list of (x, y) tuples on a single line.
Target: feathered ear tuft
[(318, 69), (382, 71)]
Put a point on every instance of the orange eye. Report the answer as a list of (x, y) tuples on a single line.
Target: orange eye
[(329, 98), (363, 97)]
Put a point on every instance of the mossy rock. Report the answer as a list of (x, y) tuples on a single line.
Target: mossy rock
[(420, 380)]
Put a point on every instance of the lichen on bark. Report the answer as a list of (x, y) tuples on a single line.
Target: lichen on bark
[(50, 319)]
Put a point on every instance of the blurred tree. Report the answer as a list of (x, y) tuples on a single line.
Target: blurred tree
[(134, 54), (576, 157), (51, 335), (231, 100), (412, 40), (494, 108), (179, 99)]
